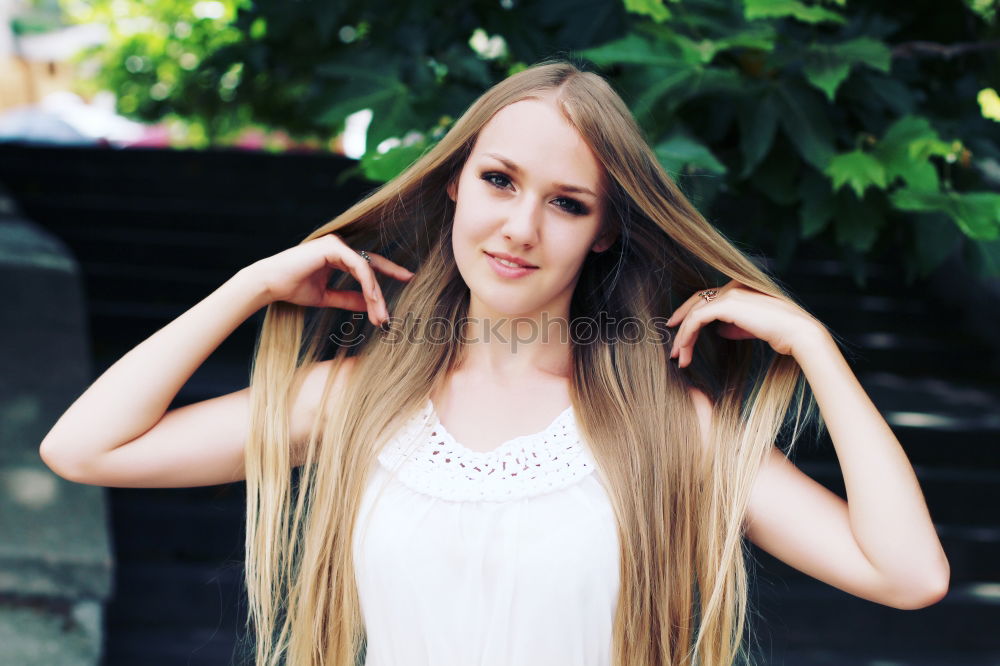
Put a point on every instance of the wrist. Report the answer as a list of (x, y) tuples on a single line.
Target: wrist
[(252, 287), (814, 339)]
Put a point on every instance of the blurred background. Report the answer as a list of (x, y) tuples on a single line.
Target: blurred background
[(150, 149)]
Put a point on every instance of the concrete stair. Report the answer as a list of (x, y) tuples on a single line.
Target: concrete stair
[(55, 556)]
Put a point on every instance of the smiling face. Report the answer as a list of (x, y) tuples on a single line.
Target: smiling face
[(531, 188)]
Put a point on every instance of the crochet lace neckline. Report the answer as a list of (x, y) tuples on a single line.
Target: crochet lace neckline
[(442, 432), (428, 459)]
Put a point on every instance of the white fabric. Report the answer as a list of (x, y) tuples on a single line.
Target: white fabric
[(500, 558)]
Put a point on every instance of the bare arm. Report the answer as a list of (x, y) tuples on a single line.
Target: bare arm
[(133, 394), (117, 432), (880, 544), (204, 444)]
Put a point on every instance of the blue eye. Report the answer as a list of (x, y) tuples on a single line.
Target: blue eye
[(575, 207), (492, 174), (571, 206)]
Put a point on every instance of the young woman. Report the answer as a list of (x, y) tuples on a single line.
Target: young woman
[(541, 453)]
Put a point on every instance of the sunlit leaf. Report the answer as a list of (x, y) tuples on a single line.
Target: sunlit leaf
[(977, 214), (680, 151), (857, 169), (631, 49), (989, 103), (654, 9), (761, 9), (902, 152), (827, 65)]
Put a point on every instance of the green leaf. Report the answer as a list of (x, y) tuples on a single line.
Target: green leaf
[(893, 94), (645, 102), (804, 121), (858, 169), (757, 129), (683, 84), (631, 49), (759, 36), (827, 65), (902, 150), (383, 167), (654, 9), (679, 151), (826, 72), (856, 222), (866, 51), (977, 214), (334, 114), (817, 203), (701, 52), (758, 9), (698, 53)]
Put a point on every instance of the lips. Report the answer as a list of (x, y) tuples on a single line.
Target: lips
[(519, 262)]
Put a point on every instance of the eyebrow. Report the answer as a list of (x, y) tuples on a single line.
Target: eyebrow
[(562, 186)]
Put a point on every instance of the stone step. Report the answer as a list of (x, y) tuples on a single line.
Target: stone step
[(939, 422), (797, 615), (43, 631), (973, 554), (818, 656), (974, 449), (958, 497)]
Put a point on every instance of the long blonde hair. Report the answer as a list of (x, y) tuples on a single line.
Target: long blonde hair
[(680, 509)]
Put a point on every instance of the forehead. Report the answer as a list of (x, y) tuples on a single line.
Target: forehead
[(535, 135)]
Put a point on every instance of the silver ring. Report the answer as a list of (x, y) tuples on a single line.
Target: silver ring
[(364, 255), (709, 294)]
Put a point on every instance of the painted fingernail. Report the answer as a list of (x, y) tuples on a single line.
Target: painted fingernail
[(384, 326)]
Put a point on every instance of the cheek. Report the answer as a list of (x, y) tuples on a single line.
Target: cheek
[(469, 224)]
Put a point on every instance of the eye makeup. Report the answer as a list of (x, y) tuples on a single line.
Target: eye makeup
[(573, 207)]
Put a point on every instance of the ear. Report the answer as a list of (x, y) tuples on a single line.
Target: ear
[(605, 240), (452, 185)]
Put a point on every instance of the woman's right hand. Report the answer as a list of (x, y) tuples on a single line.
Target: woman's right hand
[(300, 275)]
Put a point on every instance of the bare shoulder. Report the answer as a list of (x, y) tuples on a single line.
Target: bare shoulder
[(703, 406), (308, 391)]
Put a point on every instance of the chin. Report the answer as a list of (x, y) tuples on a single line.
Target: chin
[(505, 307)]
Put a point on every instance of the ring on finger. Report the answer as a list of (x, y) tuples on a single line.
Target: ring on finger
[(709, 294)]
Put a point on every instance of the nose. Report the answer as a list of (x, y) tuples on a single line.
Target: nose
[(522, 223)]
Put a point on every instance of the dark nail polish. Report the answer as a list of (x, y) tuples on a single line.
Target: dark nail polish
[(384, 326)]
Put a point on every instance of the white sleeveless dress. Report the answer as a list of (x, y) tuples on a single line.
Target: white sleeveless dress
[(500, 558)]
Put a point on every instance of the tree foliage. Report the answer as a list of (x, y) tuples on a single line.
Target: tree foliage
[(867, 125)]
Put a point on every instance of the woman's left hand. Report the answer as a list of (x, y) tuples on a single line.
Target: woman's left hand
[(743, 313)]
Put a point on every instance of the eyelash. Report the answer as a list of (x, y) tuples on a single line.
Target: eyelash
[(576, 209)]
